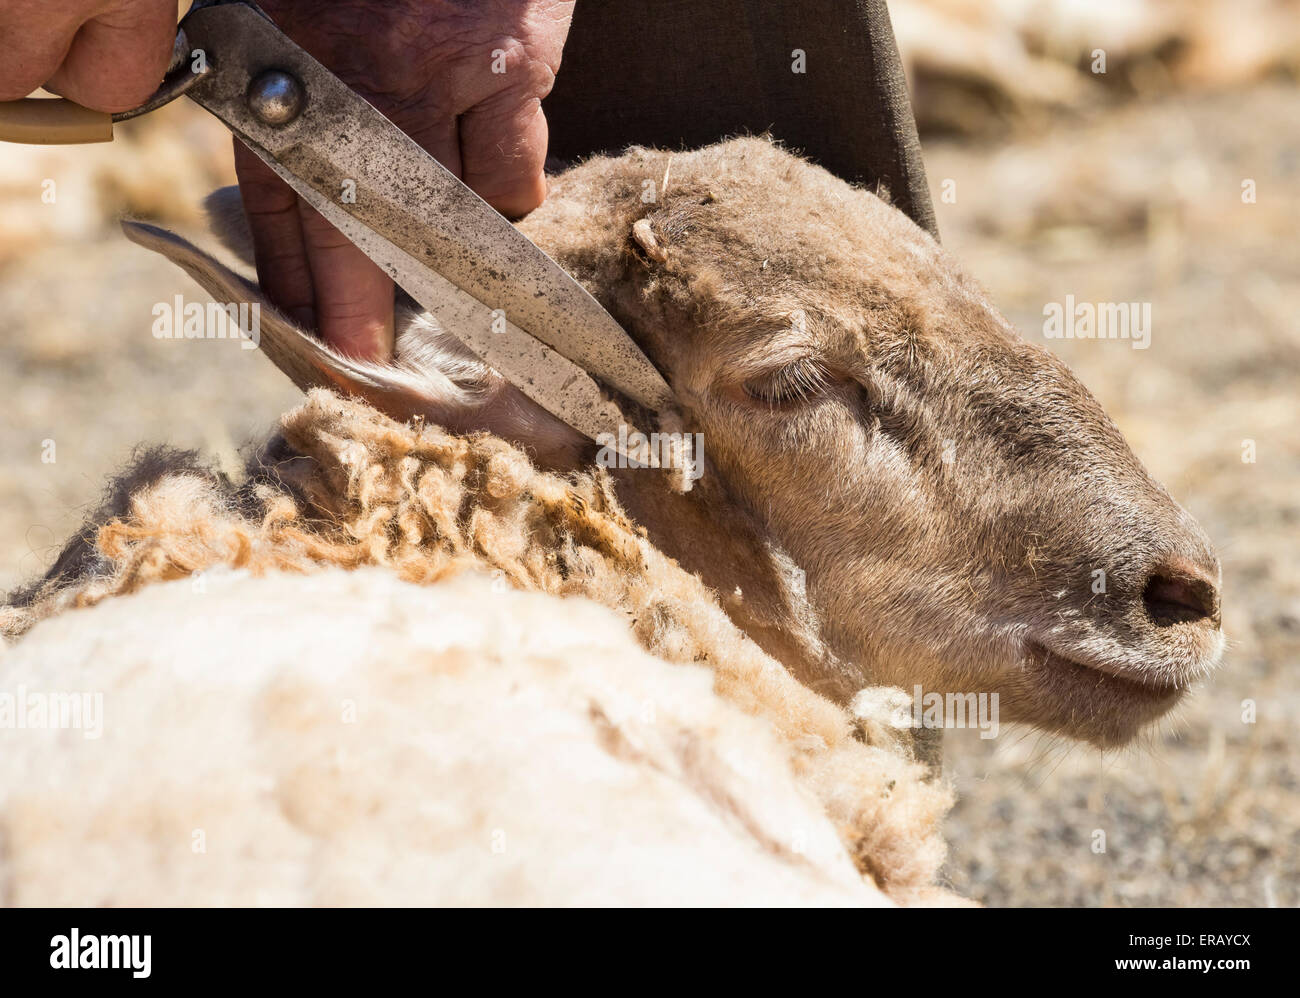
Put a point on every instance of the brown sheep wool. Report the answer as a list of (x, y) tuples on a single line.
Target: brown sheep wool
[(347, 486)]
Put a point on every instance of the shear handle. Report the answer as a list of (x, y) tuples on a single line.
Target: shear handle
[(43, 121)]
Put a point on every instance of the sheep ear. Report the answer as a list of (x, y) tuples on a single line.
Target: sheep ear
[(305, 359), (434, 376), (226, 218)]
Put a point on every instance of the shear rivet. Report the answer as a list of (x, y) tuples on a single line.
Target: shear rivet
[(275, 97)]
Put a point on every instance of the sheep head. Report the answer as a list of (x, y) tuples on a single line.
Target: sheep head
[(897, 488), (964, 514)]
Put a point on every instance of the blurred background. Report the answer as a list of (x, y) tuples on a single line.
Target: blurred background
[(1113, 150)]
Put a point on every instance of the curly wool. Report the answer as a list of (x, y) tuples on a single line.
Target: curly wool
[(350, 488)]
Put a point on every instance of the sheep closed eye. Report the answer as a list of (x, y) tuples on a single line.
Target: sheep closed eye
[(803, 381)]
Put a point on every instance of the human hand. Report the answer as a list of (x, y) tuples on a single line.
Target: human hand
[(464, 79), (109, 55)]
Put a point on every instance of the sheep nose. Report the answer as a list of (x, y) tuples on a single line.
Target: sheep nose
[(1180, 592)]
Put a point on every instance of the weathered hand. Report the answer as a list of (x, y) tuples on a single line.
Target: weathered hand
[(464, 79), (105, 54)]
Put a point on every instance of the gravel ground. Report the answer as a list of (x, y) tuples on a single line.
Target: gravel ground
[(1145, 204), (1141, 203)]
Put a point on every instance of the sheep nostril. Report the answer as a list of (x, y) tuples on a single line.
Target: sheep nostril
[(1179, 593)]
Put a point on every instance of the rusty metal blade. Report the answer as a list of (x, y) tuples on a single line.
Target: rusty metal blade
[(543, 374)]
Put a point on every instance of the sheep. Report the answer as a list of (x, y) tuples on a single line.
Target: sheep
[(896, 489), (345, 487)]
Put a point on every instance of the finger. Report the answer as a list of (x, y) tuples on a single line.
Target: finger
[(354, 297), (117, 59), (310, 270), (278, 244), (503, 151), (46, 37)]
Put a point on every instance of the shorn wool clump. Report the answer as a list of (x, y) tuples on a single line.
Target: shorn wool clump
[(453, 723)]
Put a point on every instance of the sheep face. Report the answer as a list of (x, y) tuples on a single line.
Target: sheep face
[(965, 516)]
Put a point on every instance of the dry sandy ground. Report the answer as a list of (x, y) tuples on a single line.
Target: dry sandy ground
[(1138, 204), (1144, 204)]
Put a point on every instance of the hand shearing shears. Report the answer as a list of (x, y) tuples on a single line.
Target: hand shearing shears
[(484, 280)]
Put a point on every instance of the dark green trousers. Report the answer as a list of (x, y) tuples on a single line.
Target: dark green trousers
[(684, 73)]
